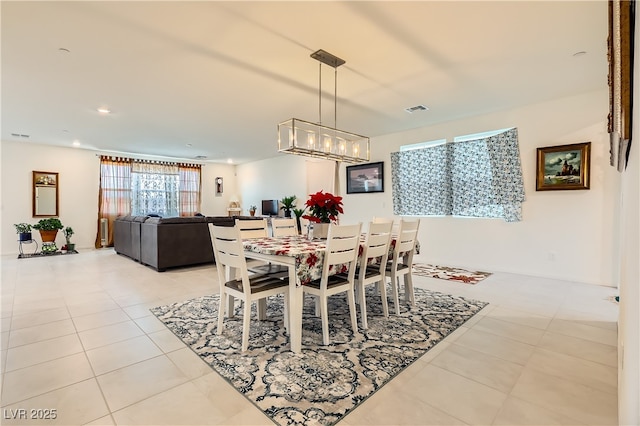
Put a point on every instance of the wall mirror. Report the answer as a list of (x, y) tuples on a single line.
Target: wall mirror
[(45, 194)]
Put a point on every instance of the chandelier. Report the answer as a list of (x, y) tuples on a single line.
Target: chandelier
[(302, 137)]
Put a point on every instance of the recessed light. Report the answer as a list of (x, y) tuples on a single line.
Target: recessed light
[(580, 53), (104, 110), (189, 144), (201, 157), (76, 143), (230, 161), (64, 49)]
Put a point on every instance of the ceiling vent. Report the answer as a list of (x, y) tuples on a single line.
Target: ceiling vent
[(19, 135), (416, 108)]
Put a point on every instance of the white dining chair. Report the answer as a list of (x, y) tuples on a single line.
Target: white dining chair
[(343, 242), (284, 226), (401, 263), (229, 254), (371, 268), (259, 228), (396, 223), (253, 228)]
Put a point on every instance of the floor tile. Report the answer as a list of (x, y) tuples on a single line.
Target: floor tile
[(543, 351), (37, 333), (106, 335), (75, 404), (181, 405), (139, 381), (480, 367), (46, 350), (461, 398), (118, 355), (45, 377), (580, 348), (583, 403), (498, 346)]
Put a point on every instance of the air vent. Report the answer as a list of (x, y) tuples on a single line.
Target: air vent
[(201, 157), (19, 135), (416, 108)]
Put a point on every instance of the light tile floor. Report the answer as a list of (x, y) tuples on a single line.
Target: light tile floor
[(77, 337)]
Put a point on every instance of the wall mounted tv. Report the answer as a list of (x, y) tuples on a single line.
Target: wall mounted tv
[(270, 208)]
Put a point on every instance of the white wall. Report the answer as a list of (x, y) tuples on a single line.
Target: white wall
[(629, 316), (274, 179), (79, 181), (564, 234)]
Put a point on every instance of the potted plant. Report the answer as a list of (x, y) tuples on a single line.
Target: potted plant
[(48, 228), (68, 232), (288, 203), (324, 208), (24, 231), (252, 210), (298, 214)]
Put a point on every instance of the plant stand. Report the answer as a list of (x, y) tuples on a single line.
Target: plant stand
[(20, 248)]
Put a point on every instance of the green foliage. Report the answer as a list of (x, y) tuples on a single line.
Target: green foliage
[(253, 208), (22, 227), (48, 224), (68, 232), (299, 212), (288, 202)]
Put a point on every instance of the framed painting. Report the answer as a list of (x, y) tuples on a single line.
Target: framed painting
[(563, 167), (365, 178)]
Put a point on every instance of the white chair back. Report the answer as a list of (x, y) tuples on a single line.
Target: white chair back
[(283, 227), (252, 228), (377, 244), (229, 254), (343, 243)]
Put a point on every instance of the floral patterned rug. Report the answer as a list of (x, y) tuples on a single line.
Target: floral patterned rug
[(323, 383), (449, 273)]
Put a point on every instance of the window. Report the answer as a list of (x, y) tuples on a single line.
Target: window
[(139, 188), (477, 176)]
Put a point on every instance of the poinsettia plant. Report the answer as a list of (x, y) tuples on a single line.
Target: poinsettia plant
[(324, 207)]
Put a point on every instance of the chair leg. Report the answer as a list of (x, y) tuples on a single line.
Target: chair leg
[(246, 322), (352, 310), (223, 303), (394, 287), (324, 318), (383, 295), (286, 311), (408, 289), (363, 304)]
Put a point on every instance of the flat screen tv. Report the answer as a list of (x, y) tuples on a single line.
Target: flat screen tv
[(270, 208)]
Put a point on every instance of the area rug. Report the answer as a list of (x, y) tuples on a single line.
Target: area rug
[(449, 273), (323, 383)]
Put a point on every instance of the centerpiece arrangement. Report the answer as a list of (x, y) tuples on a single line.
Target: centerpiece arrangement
[(324, 208)]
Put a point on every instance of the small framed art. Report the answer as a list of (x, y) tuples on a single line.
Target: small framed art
[(365, 178), (563, 167)]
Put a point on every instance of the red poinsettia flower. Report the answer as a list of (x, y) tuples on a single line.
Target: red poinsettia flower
[(324, 207)]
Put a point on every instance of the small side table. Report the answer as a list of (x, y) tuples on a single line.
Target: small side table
[(20, 249), (234, 211)]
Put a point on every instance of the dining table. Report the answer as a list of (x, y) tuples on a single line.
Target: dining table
[(304, 259)]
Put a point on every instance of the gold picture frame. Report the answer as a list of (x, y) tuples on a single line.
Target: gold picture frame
[(563, 167)]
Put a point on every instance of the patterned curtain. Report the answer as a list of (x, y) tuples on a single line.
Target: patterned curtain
[(189, 178), (476, 178), (154, 188), (114, 197)]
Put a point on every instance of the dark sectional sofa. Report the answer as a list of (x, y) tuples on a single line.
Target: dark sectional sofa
[(168, 242)]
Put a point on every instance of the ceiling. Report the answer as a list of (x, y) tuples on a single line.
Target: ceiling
[(187, 79)]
